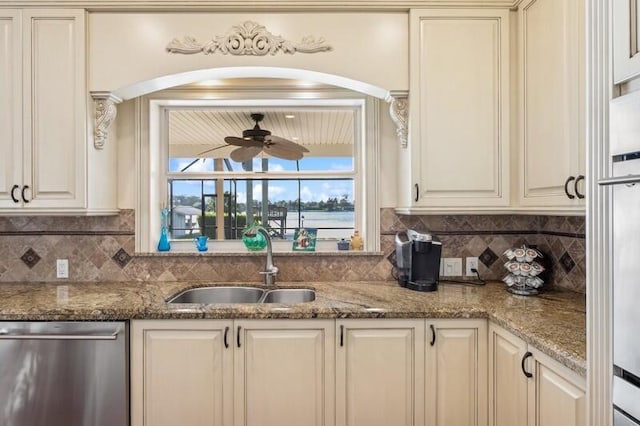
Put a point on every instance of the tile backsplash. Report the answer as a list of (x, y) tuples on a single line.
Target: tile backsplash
[(102, 249)]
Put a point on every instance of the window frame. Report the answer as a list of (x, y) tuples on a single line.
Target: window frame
[(153, 171)]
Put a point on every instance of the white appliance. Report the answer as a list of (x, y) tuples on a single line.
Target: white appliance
[(625, 151)]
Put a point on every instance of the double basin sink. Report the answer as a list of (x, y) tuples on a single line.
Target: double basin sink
[(210, 295)]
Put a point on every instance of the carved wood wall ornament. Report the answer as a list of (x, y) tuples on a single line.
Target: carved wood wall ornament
[(399, 111), (248, 38), (105, 103)]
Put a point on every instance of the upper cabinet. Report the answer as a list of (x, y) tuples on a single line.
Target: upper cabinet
[(551, 140), (626, 60), (496, 121), (43, 116), (458, 150)]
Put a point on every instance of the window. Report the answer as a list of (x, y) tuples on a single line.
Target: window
[(210, 191)]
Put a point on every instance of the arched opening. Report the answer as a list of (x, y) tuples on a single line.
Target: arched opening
[(161, 188), (189, 77)]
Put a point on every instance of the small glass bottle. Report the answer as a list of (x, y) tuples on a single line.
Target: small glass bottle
[(163, 244)]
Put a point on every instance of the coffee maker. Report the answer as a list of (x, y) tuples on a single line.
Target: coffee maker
[(418, 260)]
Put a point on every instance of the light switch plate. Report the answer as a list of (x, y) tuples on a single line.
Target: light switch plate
[(452, 267)]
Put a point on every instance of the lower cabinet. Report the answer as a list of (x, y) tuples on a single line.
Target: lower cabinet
[(352, 372), (529, 388), (284, 373), (380, 372), (456, 373), (253, 373), (181, 373)]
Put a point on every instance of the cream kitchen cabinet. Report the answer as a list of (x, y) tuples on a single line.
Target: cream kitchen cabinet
[(527, 387), (457, 156), (249, 373), (380, 372), (551, 143), (626, 38), (456, 373), (44, 108), (44, 155), (181, 372), (284, 373)]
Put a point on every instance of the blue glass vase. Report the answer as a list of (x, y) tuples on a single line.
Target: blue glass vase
[(163, 244)]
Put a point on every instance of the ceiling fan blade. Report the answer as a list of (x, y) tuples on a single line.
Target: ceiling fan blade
[(277, 150), (199, 158), (233, 140), (286, 144), (244, 153)]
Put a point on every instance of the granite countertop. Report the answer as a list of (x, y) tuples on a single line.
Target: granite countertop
[(553, 322)]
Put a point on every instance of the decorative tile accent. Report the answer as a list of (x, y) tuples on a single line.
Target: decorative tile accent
[(30, 258), (488, 257), (567, 262), (122, 258)]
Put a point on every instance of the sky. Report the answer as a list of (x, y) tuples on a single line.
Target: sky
[(310, 190)]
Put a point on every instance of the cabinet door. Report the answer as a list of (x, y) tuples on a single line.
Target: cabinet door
[(54, 108), (380, 373), (507, 382), (181, 373), (284, 373), (556, 394), (552, 79), (10, 106), (459, 97), (626, 60), (456, 373)]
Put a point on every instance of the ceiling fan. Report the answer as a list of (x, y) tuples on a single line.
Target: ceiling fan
[(256, 140)]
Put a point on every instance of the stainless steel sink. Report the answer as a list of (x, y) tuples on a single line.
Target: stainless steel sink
[(207, 295), (289, 295)]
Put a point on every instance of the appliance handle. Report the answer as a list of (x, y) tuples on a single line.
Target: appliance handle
[(5, 335), (628, 180)]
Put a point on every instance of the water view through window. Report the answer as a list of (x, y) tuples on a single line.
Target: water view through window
[(220, 178)]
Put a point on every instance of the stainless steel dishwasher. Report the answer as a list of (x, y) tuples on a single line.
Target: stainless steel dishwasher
[(64, 374)]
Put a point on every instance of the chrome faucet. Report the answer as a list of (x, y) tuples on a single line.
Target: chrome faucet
[(270, 270)]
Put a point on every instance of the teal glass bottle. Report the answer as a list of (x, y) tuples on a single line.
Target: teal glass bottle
[(163, 244)]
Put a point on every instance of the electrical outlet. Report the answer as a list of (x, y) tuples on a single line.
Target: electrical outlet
[(62, 268), (471, 263), (452, 267)]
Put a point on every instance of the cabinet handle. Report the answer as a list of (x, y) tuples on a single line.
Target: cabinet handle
[(417, 193), (433, 334), (226, 334), (341, 335), (566, 187), (575, 187), (524, 359), (13, 193), (24, 198), (238, 338)]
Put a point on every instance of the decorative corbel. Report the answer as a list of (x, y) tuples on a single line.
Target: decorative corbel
[(399, 111), (105, 103)]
